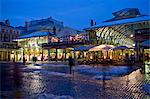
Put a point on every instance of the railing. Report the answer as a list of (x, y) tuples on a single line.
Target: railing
[(70, 43)]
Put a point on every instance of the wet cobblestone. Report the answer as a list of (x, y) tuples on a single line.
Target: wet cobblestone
[(45, 84)]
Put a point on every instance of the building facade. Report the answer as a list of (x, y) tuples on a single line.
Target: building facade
[(45, 25), (41, 32), (128, 28), (8, 47), (56, 42), (37, 44)]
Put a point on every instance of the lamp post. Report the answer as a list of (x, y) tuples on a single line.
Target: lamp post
[(49, 34)]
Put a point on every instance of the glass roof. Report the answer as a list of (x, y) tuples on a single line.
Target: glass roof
[(120, 22), (36, 34)]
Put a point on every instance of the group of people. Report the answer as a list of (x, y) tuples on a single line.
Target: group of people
[(34, 59), (132, 58)]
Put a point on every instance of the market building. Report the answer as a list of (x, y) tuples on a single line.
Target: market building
[(43, 32), (128, 28), (8, 47), (56, 43), (46, 24)]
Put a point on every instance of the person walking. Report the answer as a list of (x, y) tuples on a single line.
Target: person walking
[(34, 59), (24, 60), (71, 64)]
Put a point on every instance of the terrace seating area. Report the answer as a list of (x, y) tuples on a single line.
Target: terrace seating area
[(106, 62)]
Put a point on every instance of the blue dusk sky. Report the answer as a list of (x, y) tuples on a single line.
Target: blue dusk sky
[(74, 13)]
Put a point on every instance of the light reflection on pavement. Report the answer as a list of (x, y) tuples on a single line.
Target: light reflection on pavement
[(49, 82)]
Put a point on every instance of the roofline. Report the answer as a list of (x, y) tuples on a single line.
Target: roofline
[(22, 37), (115, 24)]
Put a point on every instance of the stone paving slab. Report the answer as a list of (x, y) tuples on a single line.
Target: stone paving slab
[(46, 84)]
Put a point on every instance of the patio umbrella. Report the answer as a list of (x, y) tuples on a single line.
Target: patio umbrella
[(102, 48), (120, 48)]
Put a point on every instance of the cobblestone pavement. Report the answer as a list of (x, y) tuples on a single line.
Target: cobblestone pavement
[(54, 82)]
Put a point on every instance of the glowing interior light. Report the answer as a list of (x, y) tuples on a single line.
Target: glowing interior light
[(37, 49), (131, 35)]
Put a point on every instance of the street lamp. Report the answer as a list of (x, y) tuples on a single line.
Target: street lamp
[(54, 30)]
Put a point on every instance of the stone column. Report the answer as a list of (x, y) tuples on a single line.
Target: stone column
[(74, 56), (65, 54), (14, 55), (29, 56), (56, 55), (23, 54), (42, 56), (48, 54), (1, 55), (7, 55)]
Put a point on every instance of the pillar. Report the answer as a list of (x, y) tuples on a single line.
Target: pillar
[(48, 54), (23, 54), (42, 56), (56, 55), (65, 54), (63, 59), (7, 55), (29, 54), (74, 56), (0, 55), (14, 55)]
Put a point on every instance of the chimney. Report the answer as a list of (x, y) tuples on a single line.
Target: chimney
[(7, 23), (92, 22), (95, 23)]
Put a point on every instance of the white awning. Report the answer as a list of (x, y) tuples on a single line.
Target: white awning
[(120, 48), (102, 47)]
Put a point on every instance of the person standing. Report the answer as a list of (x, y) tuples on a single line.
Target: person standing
[(24, 60), (71, 64)]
